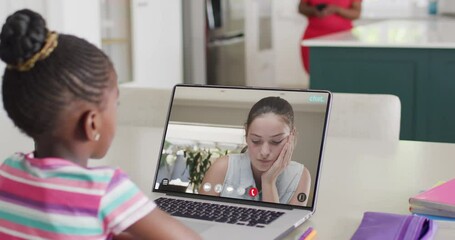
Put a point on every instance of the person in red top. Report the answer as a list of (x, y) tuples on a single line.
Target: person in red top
[(325, 17)]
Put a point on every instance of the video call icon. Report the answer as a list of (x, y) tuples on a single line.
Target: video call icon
[(165, 182), (253, 192), (301, 197), (207, 187), (241, 191), (229, 189), (218, 188)]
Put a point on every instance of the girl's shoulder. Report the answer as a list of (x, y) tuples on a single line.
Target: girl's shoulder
[(294, 168), (59, 170), (238, 157)]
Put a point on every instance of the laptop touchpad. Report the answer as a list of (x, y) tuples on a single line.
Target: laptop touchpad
[(198, 227)]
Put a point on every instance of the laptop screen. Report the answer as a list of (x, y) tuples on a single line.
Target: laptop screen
[(247, 144)]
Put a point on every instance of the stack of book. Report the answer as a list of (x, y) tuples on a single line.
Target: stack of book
[(437, 202)]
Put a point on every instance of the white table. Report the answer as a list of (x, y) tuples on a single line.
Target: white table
[(361, 176), (358, 176)]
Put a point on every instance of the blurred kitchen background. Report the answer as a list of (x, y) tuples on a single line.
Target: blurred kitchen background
[(160, 43)]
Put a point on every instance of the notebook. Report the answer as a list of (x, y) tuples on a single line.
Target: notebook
[(223, 182), (439, 200)]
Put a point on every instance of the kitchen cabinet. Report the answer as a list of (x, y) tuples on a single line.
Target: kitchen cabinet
[(414, 60)]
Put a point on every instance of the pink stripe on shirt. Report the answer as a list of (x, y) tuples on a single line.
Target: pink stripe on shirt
[(52, 196), (43, 234), (9, 237)]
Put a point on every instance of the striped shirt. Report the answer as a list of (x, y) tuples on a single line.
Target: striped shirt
[(54, 198)]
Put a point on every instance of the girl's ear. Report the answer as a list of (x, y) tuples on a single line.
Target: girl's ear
[(91, 125)]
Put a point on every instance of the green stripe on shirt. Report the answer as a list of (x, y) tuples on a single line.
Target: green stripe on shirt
[(60, 229), (124, 197)]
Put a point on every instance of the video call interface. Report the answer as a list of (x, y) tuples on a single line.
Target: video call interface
[(208, 151)]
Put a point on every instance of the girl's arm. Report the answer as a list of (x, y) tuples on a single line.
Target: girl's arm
[(158, 225)]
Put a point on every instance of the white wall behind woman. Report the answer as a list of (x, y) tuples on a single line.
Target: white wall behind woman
[(281, 64), (157, 42), (78, 17), (288, 26)]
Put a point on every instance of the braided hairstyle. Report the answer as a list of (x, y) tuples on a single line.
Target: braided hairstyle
[(75, 70)]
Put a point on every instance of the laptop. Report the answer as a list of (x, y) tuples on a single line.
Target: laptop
[(209, 174)]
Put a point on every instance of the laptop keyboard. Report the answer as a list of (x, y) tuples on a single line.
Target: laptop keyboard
[(217, 212)]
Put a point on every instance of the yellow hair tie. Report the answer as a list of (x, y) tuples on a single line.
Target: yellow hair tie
[(46, 50)]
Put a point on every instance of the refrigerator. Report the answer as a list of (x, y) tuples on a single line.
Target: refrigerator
[(225, 42), (214, 42)]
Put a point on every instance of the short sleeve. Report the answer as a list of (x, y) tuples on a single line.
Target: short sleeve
[(123, 204)]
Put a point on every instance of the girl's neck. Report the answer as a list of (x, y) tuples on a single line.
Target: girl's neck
[(58, 149)]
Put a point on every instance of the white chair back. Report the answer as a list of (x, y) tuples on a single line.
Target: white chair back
[(369, 116), (143, 106)]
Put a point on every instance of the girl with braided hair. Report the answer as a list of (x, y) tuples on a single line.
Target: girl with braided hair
[(62, 92)]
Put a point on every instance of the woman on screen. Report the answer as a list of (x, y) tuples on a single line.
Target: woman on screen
[(265, 172)]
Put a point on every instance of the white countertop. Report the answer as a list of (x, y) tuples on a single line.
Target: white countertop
[(425, 33)]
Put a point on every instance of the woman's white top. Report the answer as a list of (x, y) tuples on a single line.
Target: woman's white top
[(239, 179)]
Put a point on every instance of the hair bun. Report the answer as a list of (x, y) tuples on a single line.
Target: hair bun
[(23, 34)]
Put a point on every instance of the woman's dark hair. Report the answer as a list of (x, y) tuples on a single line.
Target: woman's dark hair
[(275, 105), (75, 69)]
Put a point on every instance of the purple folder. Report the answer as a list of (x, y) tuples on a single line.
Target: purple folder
[(376, 225)]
